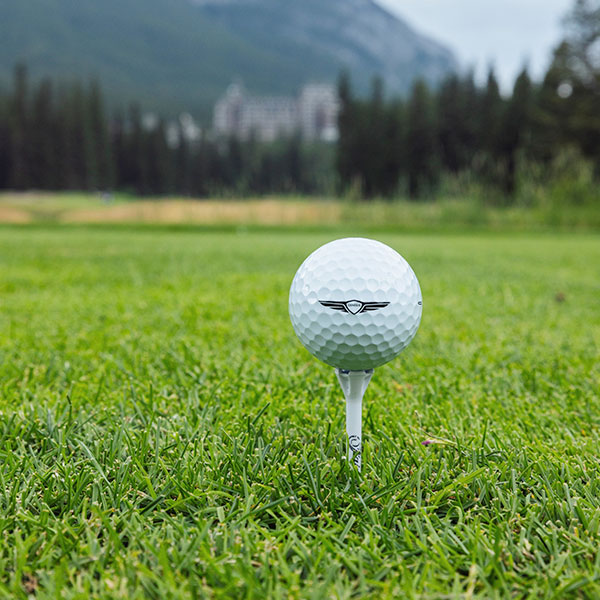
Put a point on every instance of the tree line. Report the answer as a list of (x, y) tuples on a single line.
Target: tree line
[(387, 147), (60, 136)]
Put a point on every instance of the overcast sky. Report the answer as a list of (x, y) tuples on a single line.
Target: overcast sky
[(508, 33)]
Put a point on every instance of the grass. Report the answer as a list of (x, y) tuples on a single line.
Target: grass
[(456, 211), (164, 435)]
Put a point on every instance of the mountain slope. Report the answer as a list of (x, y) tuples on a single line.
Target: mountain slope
[(174, 55), (355, 34), (167, 55)]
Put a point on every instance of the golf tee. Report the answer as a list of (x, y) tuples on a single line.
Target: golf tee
[(354, 385), (354, 430)]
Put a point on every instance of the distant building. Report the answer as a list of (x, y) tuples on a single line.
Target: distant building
[(313, 114), (318, 108)]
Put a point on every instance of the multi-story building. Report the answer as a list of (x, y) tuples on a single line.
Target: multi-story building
[(313, 114)]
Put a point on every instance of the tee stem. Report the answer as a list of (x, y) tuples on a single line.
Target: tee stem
[(354, 385)]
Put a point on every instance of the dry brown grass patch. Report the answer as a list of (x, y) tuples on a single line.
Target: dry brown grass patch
[(261, 212), (10, 214)]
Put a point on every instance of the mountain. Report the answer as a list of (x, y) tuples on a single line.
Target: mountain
[(177, 55), (323, 37)]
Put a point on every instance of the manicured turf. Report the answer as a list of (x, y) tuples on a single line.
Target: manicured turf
[(164, 435)]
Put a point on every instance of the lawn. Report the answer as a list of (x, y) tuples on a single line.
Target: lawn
[(448, 213), (164, 434)]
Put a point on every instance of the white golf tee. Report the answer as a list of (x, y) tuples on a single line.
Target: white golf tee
[(354, 385)]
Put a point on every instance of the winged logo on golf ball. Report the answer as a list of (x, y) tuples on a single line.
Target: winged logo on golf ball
[(388, 314), (354, 307)]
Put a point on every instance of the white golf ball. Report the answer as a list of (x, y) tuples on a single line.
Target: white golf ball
[(355, 304)]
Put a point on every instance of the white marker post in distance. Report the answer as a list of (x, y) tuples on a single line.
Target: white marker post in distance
[(355, 304)]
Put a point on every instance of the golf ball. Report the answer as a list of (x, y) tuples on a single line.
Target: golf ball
[(355, 304)]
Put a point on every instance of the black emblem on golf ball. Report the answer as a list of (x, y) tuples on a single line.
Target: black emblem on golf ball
[(354, 307), (354, 443)]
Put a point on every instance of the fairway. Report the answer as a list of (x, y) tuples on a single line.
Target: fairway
[(165, 435)]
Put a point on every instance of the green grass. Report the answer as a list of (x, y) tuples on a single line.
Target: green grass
[(164, 435), (452, 212)]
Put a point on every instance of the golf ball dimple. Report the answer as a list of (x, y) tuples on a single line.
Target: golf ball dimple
[(355, 303)]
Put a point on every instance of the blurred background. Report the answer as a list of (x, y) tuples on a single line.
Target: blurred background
[(406, 110)]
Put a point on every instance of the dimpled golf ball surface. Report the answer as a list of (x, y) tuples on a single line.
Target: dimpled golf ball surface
[(355, 303)]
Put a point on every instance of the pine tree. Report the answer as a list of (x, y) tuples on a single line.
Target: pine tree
[(42, 143), (5, 144), (118, 150), (135, 167), (491, 109), (422, 160), (81, 165), (393, 148), (187, 180), (61, 140), (582, 53), (20, 175), (516, 129), (252, 160), (449, 116), (471, 101), (566, 111), (101, 158), (293, 164), (349, 119), (490, 116), (372, 141), (457, 107), (157, 160), (583, 40), (552, 109), (234, 163), (202, 169)]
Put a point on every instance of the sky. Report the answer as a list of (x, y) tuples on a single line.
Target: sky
[(505, 33)]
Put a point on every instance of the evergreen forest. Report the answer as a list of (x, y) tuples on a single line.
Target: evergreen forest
[(458, 136)]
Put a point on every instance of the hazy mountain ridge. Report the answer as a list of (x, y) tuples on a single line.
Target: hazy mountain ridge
[(357, 34), (174, 55)]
